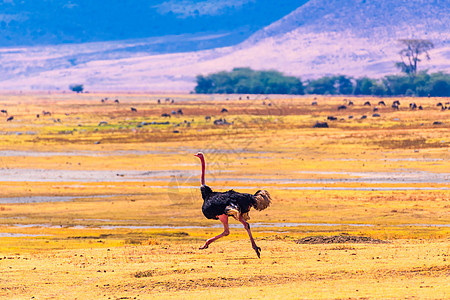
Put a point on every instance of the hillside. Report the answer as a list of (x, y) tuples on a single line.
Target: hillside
[(49, 22), (351, 37)]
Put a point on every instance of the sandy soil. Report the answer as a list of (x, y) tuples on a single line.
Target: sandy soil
[(113, 211)]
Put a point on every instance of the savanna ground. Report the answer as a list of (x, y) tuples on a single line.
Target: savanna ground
[(101, 202)]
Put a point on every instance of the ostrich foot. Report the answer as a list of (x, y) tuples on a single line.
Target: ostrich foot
[(257, 250), (204, 246)]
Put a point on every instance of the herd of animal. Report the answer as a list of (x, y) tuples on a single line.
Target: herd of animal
[(395, 106), (222, 121)]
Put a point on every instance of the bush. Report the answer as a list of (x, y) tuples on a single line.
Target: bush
[(248, 81), (77, 88)]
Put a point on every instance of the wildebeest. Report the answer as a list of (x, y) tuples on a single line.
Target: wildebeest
[(221, 122), (314, 103), (46, 113), (133, 109), (396, 102), (350, 103), (412, 105), (367, 103), (375, 109), (363, 117), (341, 107), (321, 125), (4, 111), (331, 118), (180, 112), (395, 106), (224, 110), (10, 119), (382, 103), (207, 118), (376, 115), (165, 115), (116, 101)]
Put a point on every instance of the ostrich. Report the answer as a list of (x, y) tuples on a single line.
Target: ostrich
[(221, 205)]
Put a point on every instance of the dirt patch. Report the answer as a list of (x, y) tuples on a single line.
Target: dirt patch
[(339, 239)]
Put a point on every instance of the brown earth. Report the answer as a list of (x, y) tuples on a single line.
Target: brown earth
[(339, 239)]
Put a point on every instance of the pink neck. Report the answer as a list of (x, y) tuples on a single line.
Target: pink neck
[(203, 169)]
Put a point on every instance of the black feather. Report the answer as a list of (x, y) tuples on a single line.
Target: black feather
[(215, 203)]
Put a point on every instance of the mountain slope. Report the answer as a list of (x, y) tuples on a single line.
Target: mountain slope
[(53, 22), (350, 37)]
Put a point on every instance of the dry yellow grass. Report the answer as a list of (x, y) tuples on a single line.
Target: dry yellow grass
[(131, 224)]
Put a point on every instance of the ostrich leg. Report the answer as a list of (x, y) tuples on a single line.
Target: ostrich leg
[(226, 231), (247, 227)]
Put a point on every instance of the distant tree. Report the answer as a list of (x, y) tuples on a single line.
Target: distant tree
[(322, 86), (411, 53), (204, 85), (77, 88), (378, 89), (363, 86), (344, 85), (248, 81)]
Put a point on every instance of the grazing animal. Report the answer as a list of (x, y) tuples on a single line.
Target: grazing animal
[(382, 103), (165, 115), (4, 111), (396, 102), (350, 103), (367, 103), (224, 110), (10, 119), (116, 101), (395, 106), (412, 105), (321, 125), (314, 103), (180, 111), (221, 122), (207, 118), (341, 107), (221, 205), (133, 109), (331, 118)]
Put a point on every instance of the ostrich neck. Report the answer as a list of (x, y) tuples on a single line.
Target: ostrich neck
[(203, 170)]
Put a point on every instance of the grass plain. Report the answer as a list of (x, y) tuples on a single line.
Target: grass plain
[(102, 201)]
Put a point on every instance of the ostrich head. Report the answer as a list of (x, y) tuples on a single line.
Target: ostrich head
[(202, 159), (200, 155)]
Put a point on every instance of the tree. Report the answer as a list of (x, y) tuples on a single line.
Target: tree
[(248, 81), (363, 86), (77, 88), (410, 55)]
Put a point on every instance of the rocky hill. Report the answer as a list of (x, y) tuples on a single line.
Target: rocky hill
[(322, 37)]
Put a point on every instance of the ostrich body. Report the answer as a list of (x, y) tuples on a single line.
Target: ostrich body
[(221, 205)]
